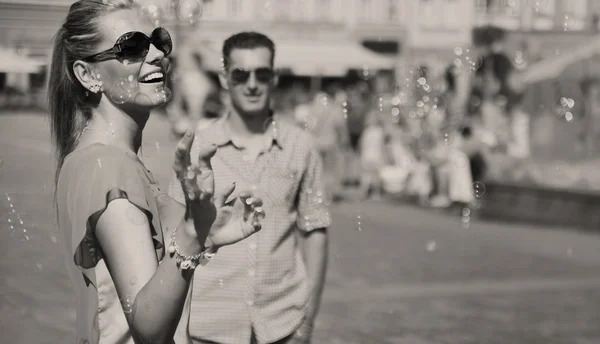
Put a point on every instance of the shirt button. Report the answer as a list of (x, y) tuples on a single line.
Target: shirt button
[(253, 246), (251, 273), (250, 303)]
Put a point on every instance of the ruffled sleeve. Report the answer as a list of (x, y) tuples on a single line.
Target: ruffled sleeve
[(96, 178)]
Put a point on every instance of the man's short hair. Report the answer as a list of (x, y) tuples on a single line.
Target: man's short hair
[(247, 40)]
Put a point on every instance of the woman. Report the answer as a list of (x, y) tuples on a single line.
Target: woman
[(113, 217)]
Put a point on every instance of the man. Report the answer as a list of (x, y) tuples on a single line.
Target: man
[(262, 290)]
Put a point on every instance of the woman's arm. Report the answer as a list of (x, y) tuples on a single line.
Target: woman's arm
[(152, 295)]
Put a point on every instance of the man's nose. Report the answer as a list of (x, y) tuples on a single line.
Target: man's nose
[(252, 84)]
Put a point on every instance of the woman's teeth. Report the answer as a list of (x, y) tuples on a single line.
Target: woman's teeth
[(153, 77)]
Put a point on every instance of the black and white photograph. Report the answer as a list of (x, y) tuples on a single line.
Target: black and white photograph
[(300, 171)]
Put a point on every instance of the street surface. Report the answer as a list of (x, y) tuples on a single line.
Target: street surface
[(397, 275)]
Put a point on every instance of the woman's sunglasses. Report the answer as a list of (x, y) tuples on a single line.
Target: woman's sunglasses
[(241, 76), (134, 46)]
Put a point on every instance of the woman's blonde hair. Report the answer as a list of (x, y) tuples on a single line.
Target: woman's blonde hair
[(77, 38)]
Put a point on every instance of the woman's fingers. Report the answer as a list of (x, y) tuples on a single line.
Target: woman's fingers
[(182, 154), (205, 176), (222, 197), (204, 156), (247, 202)]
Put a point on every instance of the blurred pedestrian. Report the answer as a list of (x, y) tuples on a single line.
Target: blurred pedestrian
[(372, 156)]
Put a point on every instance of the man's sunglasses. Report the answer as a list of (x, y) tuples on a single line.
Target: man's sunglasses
[(241, 76), (134, 46)]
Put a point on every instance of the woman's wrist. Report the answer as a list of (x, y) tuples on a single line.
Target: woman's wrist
[(187, 237)]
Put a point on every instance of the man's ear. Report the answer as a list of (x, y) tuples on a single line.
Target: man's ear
[(275, 80), (84, 73), (223, 80)]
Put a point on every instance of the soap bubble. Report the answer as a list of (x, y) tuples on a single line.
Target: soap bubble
[(154, 13), (478, 189), (271, 125), (407, 76), (538, 5), (127, 304), (379, 102), (122, 90), (431, 246), (521, 59), (189, 10), (163, 94), (365, 73)]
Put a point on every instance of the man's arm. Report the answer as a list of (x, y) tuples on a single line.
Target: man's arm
[(316, 252), (313, 221)]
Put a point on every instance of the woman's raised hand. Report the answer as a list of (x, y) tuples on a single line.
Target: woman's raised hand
[(225, 223)]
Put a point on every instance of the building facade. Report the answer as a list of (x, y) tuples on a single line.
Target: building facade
[(393, 25)]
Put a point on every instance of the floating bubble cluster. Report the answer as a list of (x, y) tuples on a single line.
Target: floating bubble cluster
[(466, 217), (466, 60), (538, 5), (156, 14), (15, 222), (359, 221), (564, 108), (407, 76)]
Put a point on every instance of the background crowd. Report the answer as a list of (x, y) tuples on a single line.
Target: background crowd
[(430, 132)]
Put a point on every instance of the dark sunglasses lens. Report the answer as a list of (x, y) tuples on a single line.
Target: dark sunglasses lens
[(240, 75), (264, 75), (162, 40), (133, 46)]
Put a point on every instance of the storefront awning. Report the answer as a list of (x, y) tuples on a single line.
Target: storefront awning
[(328, 58), (307, 58)]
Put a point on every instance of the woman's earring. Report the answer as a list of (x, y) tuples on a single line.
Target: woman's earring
[(95, 88)]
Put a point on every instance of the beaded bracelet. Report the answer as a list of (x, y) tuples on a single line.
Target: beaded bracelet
[(189, 262)]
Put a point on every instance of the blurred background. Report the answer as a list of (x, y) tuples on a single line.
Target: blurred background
[(460, 144)]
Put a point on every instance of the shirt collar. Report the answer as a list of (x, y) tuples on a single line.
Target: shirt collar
[(221, 135)]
